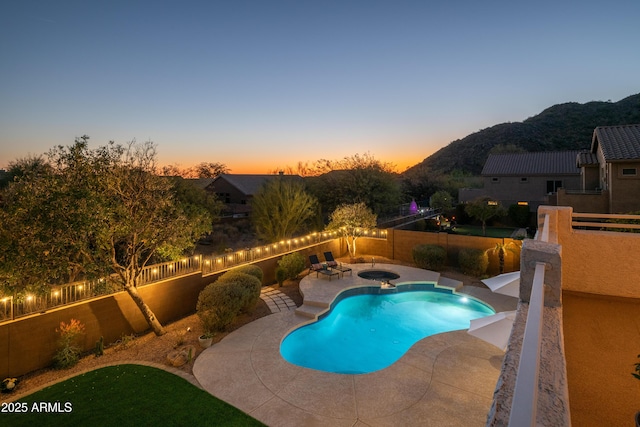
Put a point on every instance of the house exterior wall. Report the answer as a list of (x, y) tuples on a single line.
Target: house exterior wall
[(624, 189), (532, 189), (590, 176), (228, 193)]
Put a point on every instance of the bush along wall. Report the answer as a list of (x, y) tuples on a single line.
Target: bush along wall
[(430, 257), (473, 262)]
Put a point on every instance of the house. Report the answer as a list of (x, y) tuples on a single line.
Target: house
[(611, 169), (526, 178), (237, 190)]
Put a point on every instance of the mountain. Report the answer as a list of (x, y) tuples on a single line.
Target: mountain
[(561, 127)]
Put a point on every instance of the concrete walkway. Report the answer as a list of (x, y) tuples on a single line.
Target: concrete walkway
[(446, 379)]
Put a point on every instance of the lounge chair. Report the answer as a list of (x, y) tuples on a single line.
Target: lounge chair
[(331, 262), (320, 268)]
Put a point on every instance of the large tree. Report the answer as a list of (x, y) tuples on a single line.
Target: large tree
[(351, 221), (441, 200), (281, 208), (355, 179), (95, 213), (484, 209)]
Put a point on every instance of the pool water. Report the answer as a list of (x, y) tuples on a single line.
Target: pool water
[(366, 333)]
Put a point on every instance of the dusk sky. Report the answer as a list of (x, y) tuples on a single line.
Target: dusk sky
[(259, 85)]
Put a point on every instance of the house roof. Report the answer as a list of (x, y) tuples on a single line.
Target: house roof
[(249, 184), (202, 182), (533, 163), (586, 158), (617, 142)]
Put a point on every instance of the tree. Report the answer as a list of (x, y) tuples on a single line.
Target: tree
[(97, 213), (484, 209), (201, 170), (359, 178), (208, 170), (281, 208), (501, 250), (441, 200), (351, 221)]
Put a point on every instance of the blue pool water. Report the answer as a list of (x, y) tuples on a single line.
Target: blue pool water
[(366, 333)]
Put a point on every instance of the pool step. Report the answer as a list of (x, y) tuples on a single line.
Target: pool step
[(310, 311), (450, 283)]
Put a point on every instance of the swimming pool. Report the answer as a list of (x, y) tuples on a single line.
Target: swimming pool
[(368, 329)]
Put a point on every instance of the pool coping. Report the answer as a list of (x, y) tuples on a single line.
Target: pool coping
[(447, 378)]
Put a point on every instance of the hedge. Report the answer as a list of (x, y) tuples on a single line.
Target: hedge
[(430, 257), (473, 262)]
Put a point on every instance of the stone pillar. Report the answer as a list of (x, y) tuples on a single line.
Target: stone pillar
[(534, 251)]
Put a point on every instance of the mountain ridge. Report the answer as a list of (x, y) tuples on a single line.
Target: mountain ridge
[(566, 126)]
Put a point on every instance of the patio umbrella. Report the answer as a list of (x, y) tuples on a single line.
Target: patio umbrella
[(505, 284), (494, 329)]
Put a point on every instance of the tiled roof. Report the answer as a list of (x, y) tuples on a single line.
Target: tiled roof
[(586, 158), (249, 184), (618, 142), (535, 163)]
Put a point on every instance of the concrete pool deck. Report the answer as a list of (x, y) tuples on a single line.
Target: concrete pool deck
[(445, 379)]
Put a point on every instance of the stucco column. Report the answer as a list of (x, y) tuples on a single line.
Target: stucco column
[(534, 251)]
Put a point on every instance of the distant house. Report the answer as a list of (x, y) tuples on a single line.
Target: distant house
[(526, 178), (610, 172), (237, 190)]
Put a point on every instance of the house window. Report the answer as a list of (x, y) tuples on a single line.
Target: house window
[(629, 172), (524, 179), (523, 203), (494, 179), (552, 186)]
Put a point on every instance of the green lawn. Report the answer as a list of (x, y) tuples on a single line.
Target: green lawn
[(473, 230), (123, 395)]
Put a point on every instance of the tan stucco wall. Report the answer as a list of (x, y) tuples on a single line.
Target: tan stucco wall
[(597, 262)]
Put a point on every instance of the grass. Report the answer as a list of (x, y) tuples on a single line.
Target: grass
[(125, 395), (473, 230)]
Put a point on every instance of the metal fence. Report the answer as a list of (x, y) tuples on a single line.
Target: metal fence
[(26, 303)]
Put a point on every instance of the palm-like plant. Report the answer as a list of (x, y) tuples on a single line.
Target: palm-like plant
[(636, 374), (501, 250)]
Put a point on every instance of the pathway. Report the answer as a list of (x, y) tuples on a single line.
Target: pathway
[(276, 301)]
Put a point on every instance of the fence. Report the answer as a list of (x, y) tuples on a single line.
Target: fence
[(605, 222), (26, 303)]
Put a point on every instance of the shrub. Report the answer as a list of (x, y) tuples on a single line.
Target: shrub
[(281, 275), (247, 288), (218, 304), (519, 215), (293, 264), (430, 257), (68, 353), (473, 262), (251, 270)]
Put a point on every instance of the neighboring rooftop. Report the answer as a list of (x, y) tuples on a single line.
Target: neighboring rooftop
[(617, 142), (586, 158), (532, 163), (249, 183)]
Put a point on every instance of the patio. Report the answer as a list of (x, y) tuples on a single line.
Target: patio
[(445, 379)]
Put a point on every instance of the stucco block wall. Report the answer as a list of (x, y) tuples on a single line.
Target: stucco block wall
[(404, 241), (586, 203)]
